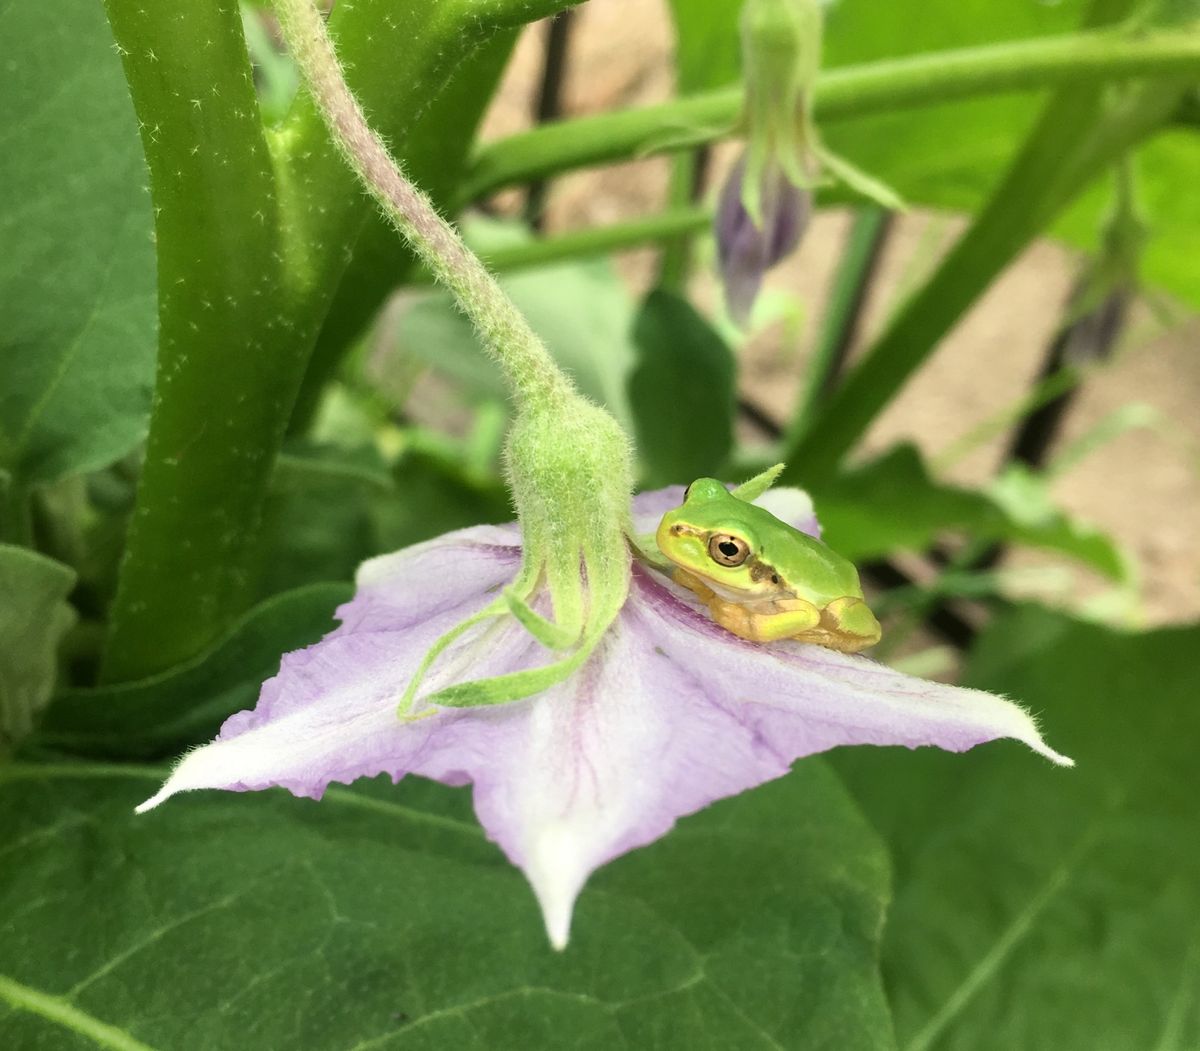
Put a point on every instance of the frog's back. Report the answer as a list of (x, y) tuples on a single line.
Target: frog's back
[(803, 558)]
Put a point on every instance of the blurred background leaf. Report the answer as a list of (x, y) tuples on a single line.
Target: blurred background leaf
[(34, 617), (318, 522), (892, 503), (161, 715), (436, 495), (951, 155), (681, 392), (581, 309), (707, 44)]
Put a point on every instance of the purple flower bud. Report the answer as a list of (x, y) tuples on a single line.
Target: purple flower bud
[(745, 250)]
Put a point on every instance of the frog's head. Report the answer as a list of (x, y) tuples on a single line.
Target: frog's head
[(713, 535)]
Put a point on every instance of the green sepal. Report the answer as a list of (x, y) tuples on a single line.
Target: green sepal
[(550, 634), (493, 609), (645, 547), (859, 181), (684, 137), (751, 489), (515, 686)]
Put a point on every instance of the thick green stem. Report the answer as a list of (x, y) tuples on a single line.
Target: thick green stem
[(223, 332), (687, 187), (530, 370), (253, 234), (850, 91)]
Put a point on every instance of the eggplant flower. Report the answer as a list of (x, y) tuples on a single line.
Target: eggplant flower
[(665, 714)]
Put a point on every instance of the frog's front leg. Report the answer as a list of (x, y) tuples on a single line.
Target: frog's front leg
[(693, 583), (764, 621), (767, 621)]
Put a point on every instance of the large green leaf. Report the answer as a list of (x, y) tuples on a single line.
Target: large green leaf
[(681, 392), (77, 274), (34, 617), (382, 918), (952, 154), (160, 715), (1039, 907), (707, 43)]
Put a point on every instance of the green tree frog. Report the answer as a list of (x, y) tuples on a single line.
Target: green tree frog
[(760, 578)]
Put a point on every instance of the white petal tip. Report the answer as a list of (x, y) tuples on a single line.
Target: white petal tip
[(150, 803), (559, 937), (1034, 740), (1057, 758), (557, 868), (556, 913), (200, 768)]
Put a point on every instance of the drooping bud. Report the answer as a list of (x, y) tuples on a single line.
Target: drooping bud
[(767, 199), (746, 250)]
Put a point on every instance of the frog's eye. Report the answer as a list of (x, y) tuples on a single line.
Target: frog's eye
[(727, 550)]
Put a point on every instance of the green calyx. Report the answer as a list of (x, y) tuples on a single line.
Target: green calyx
[(751, 489), (781, 48), (570, 470)]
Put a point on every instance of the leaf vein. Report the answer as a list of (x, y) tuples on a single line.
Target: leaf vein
[(55, 1009)]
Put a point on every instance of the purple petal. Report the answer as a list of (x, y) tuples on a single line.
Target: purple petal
[(790, 211), (745, 251), (648, 508), (741, 247), (803, 699)]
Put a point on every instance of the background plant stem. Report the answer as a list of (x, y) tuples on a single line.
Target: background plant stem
[(598, 240), (843, 308), (850, 91), (1077, 137)]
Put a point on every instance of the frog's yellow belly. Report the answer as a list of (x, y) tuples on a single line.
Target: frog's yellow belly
[(846, 624)]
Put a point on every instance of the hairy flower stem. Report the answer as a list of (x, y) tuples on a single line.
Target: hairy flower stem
[(531, 372)]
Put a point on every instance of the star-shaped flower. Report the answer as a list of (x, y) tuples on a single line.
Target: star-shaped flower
[(668, 713)]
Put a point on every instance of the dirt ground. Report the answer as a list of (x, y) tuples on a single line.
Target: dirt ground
[(1142, 487)]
